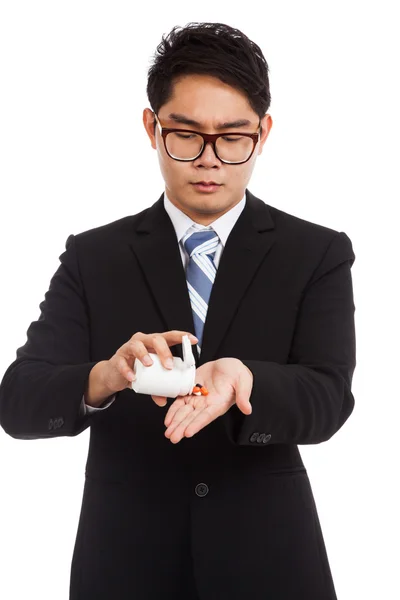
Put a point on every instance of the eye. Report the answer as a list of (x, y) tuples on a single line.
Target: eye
[(184, 136), (230, 139)]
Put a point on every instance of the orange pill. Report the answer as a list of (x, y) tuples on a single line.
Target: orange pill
[(196, 389), (204, 391)]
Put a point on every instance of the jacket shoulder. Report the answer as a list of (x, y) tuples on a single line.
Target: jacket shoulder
[(302, 227), (310, 239), (111, 230)]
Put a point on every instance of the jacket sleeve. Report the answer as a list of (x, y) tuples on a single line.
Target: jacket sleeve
[(307, 400), (41, 391)]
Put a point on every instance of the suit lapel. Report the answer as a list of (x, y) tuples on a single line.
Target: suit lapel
[(155, 246)]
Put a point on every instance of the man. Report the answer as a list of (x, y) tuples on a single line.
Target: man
[(196, 497)]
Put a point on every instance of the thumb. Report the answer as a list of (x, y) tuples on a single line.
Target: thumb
[(159, 400), (243, 392)]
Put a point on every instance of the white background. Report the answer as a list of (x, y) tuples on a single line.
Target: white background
[(74, 155)]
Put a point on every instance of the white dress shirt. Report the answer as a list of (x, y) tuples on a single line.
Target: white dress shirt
[(182, 225)]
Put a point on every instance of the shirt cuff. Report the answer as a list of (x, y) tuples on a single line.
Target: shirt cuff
[(86, 409)]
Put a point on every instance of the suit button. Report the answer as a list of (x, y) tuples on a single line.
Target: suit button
[(254, 437), (266, 438), (201, 489)]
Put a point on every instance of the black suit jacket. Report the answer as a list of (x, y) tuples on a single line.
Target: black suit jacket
[(228, 513)]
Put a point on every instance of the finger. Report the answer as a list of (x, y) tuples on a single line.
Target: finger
[(243, 393), (192, 424), (203, 418), (175, 337), (179, 403), (177, 427), (160, 400), (173, 409), (124, 369), (181, 415), (197, 404), (142, 339), (137, 349), (161, 347)]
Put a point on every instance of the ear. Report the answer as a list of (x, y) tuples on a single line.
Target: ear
[(266, 123), (149, 125)]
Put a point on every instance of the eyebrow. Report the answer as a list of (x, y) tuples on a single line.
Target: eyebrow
[(179, 118)]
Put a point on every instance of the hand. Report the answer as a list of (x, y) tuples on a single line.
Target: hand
[(118, 372), (227, 380)]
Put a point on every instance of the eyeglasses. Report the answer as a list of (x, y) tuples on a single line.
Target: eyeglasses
[(231, 148)]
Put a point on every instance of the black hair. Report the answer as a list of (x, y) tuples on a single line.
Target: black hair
[(212, 49)]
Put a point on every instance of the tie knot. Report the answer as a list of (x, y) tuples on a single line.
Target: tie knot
[(201, 242)]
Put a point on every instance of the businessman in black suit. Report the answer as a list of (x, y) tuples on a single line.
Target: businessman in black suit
[(196, 497)]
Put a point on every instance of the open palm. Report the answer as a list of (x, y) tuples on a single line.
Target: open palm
[(227, 380)]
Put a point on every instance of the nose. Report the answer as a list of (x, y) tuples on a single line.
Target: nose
[(208, 155)]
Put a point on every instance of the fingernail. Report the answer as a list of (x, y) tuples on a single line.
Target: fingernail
[(169, 363), (147, 360)]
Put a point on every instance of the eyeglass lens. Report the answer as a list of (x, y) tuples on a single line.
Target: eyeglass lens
[(232, 148)]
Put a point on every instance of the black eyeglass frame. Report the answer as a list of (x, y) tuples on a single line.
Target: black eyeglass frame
[(207, 138)]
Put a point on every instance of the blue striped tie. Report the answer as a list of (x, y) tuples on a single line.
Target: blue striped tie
[(200, 274)]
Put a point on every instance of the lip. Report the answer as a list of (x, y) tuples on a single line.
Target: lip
[(202, 187), (206, 183)]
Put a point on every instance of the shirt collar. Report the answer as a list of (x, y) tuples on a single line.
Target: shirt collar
[(222, 226)]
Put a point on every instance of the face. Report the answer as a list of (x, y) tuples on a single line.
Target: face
[(210, 102)]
